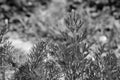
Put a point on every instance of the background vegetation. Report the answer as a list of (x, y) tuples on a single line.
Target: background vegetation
[(59, 40)]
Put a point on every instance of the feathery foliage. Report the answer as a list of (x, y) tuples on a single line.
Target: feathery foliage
[(69, 60), (6, 51)]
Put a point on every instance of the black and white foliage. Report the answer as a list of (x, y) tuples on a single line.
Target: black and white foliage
[(67, 60)]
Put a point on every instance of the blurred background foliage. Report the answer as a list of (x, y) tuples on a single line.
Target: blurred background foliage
[(35, 19), (30, 21)]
